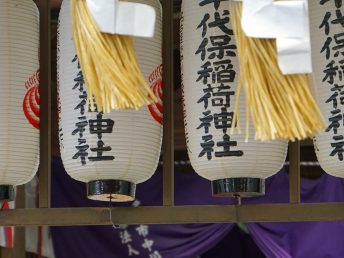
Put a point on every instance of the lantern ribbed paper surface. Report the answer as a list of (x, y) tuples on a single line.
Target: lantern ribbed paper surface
[(327, 38), (210, 74), (111, 152), (19, 98)]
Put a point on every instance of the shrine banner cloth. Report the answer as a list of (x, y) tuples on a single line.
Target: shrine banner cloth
[(153, 241), (301, 239), (276, 240)]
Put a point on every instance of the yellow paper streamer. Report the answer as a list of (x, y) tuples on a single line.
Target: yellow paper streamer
[(110, 67), (279, 106)]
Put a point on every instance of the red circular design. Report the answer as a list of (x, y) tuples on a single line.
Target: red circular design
[(156, 108), (31, 103)]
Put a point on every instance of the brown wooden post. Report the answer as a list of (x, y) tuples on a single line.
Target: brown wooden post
[(19, 249), (45, 104), (168, 102), (294, 172)]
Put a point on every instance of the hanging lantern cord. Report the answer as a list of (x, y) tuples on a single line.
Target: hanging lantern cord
[(110, 208), (238, 199)]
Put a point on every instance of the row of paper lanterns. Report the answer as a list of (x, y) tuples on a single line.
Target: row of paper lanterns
[(114, 152)]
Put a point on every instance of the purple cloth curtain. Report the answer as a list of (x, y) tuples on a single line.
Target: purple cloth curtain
[(154, 241), (276, 240), (237, 244), (301, 239)]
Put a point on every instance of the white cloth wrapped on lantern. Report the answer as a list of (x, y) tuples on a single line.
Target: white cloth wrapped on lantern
[(124, 18), (327, 38), (271, 19), (210, 73), (19, 87), (122, 147)]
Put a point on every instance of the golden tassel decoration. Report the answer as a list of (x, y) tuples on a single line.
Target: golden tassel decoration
[(110, 67), (280, 106)]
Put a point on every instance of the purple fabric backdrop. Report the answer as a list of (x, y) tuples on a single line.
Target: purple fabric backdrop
[(276, 240), (301, 239), (237, 244), (168, 241)]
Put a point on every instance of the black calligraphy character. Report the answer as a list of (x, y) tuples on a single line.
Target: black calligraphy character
[(207, 146), (327, 48), (333, 99), (101, 125), (79, 82), (82, 153), (205, 121), (325, 23), (75, 58), (82, 103), (226, 144), (223, 72), (99, 150), (80, 126), (339, 89), (221, 47), (222, 96), (205, 98), (201, 49), (338, 147), (221, 22), (223, 120), (205, 73), (335, 120), (330, 72), (203, 24)]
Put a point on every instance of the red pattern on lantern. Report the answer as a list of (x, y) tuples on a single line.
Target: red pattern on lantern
[(31, 100), (156, 108)]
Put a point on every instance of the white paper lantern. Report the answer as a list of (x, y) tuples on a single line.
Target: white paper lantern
[(327, 37), (210, 75), (19, 95), (111, 152)]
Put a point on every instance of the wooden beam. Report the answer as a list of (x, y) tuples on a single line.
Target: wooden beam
[(174, 215)]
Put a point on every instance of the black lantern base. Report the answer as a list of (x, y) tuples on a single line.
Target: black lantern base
[(7, 193), (238, 187), (114, 190)]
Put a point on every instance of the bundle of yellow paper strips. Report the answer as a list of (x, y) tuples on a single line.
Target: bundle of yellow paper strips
[(109, 64), (280, 106)]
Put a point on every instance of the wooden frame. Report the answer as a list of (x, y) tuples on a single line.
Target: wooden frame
[(168, 213)]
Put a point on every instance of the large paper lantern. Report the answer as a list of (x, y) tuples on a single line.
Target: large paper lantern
[(19, 98), (111, 152), (210, 76), (327, 38)]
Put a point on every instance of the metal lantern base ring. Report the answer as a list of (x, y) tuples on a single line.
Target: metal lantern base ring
[(114, 190), (7, 193), (238, 187)]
